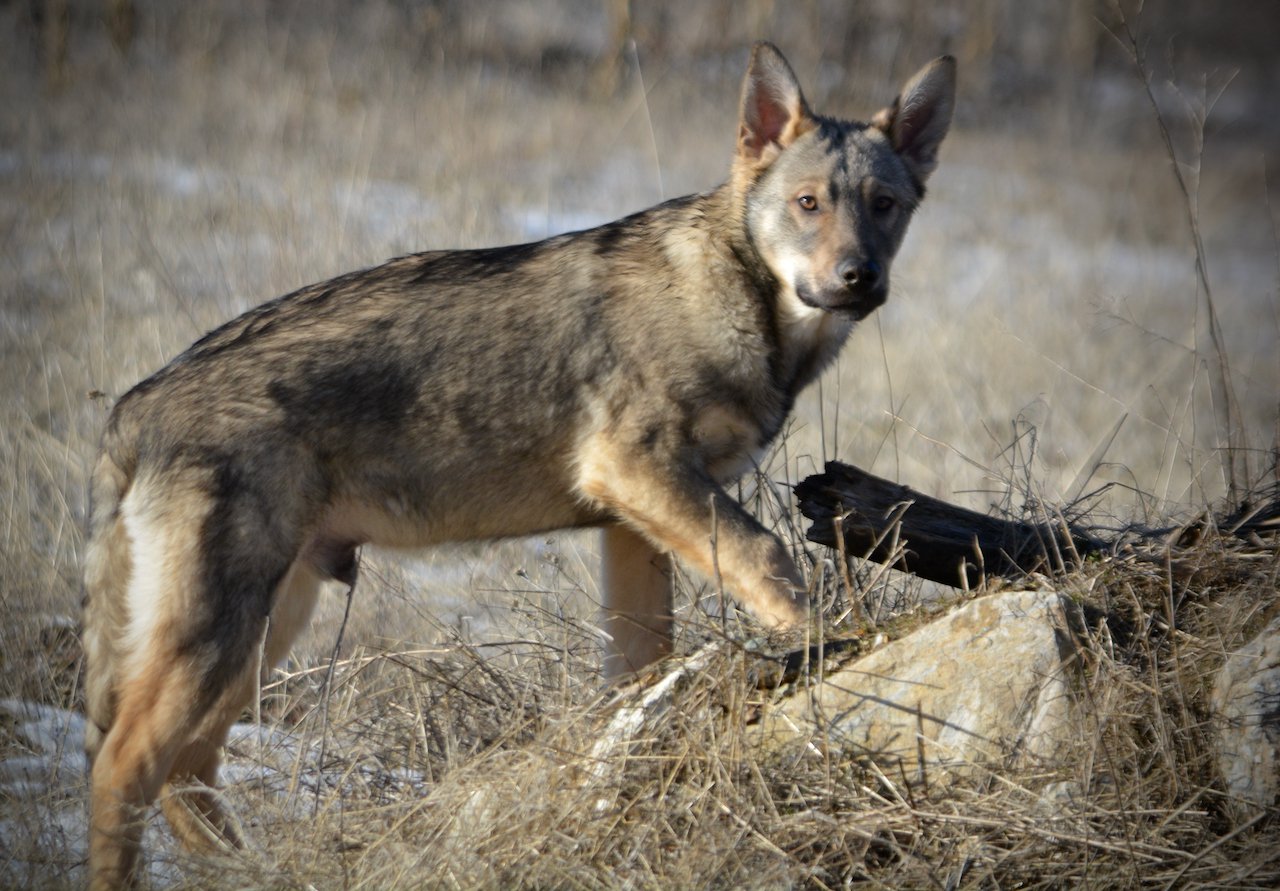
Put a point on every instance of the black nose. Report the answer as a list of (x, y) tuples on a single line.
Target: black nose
[(864, 275)]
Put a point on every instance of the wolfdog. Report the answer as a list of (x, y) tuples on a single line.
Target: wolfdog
[(616, 377)]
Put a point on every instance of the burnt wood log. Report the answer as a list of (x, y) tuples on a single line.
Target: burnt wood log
[(932, 539)]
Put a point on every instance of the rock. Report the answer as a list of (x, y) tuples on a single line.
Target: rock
[(985, 683), (1246, 710)]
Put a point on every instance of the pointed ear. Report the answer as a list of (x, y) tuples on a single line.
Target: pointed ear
[(774, 113), (921, 115)]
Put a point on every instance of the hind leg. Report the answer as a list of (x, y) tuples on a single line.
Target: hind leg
[(190, 803), (294, 602), (156, 709), (172, 719), (196, 604), (188, 800)]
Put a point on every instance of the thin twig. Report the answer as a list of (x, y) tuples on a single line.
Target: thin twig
[(1226, 405), (327, 692)]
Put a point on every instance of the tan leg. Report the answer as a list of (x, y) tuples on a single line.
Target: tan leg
[(156, 709), (676, 507), (151, 662), (195, 814), (636, 584), (294, 603), (167, 735), (190, 803)]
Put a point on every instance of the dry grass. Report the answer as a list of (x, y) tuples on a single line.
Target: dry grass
[(1043, 342), (506, 785)]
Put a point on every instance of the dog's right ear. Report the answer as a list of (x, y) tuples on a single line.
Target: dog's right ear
[(774, 113)]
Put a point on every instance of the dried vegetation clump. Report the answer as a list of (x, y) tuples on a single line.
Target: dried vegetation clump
[(508, 780)]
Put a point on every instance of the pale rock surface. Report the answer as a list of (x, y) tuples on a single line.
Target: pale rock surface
[(986, 683), (1246, 709)]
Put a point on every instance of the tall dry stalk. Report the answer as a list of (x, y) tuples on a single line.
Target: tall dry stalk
[(1232, 451)]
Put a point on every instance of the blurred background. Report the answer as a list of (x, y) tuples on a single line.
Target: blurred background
[(1085, 311)]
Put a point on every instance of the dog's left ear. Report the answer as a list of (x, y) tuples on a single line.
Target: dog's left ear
[(921, 115), (774, 113)]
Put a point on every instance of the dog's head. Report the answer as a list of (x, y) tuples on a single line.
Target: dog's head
[(828, 201)]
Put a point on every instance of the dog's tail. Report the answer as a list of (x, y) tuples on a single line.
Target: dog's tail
[(108, 564)]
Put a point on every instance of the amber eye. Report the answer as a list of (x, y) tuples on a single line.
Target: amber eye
[(807, 202), (883, 203)]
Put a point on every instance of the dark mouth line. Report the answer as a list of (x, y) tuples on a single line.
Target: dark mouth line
[(857, 309)]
